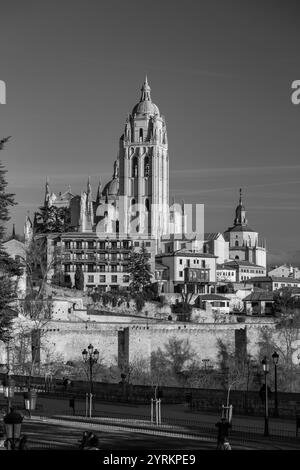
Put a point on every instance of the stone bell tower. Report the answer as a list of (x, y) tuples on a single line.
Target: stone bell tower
[(144, 170)]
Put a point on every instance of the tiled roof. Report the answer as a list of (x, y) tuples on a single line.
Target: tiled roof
[(212, 297), (285, 279), (259, 279), (189, 253), (240, 228), (212, 236), (237, 263), (160, 266), (259, 297)]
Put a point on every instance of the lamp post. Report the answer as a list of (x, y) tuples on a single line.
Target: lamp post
[(13, 422), (275, 357), (90, 357), (9, 390), (266, 368)]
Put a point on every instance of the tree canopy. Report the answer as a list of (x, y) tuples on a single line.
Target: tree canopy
[(9, 268)]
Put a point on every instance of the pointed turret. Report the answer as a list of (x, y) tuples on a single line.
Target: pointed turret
[(89, 191), (47, 193), (240, 212), (98, 197), (145, 91)]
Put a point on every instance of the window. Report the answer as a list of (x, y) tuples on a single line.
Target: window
[(148, 244), (67, 245), (102, 245), (146, 167), (114, 279), (188, 263), (114, 268), (194, 261), (102, 278), (125, 278), (125, 244), (67, 268), (141, 135), (90, 245), (79, 245), (180, 261), (114, 245), (134, 172), (90, 278), (102, 268), (136, 244), (236, 243), (180, 273), (147, 205), (203, 264)]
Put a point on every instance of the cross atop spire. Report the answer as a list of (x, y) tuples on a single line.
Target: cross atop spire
[(145, 91)]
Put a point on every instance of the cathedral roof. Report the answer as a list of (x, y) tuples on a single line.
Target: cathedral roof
[(240, 228), (145, 106), (111, 188)]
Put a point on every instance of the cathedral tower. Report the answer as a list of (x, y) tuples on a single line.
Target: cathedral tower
[(144, 170)]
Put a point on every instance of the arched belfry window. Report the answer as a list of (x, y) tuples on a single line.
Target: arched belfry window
[(146, 167), (141, 135), (134, 170), (147, 205), (132, 202), (236, 243), (237, 257)]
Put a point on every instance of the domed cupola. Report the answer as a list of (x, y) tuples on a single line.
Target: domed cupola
[(111, 189), (145, 106)]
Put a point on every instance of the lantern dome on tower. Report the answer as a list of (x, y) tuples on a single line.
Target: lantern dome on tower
[(145, 106)]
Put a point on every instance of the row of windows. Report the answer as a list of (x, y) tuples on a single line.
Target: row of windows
[(100, 245), (257, 271), (195, 261), (226, 273), (70, 268), (96, 256), (104, 245), (276, 284), (102, 278)]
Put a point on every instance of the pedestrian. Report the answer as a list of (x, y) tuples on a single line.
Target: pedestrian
[(223, 431), (72, 404), (23, 443), (2, 441), (84, 440), (93, 442)]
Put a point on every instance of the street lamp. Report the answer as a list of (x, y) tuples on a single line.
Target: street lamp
[(266, 369), (8, 390), (91, 357), (13, 422), (275, 357)]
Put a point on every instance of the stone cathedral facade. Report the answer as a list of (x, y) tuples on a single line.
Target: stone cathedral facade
[(132, 211)]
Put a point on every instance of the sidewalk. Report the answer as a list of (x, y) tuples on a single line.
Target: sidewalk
[(175, 415)]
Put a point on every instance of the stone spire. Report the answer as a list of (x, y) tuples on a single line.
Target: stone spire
[(47, 192), (98, 198), (240, 212), (145, 91), (89, 190)]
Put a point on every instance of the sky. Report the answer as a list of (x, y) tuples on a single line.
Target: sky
[(219, 71)]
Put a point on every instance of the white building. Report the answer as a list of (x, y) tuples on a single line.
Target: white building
[(244, 242), (285, 271)]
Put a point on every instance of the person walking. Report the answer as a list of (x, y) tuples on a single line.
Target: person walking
[(223, 431)]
